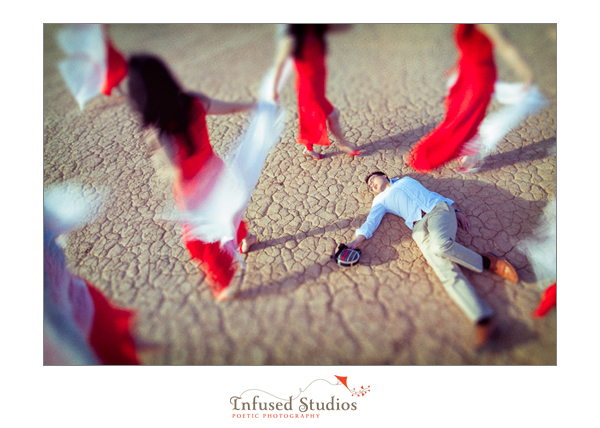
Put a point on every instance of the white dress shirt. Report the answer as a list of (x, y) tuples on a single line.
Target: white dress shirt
[(405, 198)]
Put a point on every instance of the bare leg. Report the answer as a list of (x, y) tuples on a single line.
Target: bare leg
[(333, 121), (247, 242), (312, 154)]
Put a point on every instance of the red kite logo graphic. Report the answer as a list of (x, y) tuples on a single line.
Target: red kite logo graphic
[(353, 391)]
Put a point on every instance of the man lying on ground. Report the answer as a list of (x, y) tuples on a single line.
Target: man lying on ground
[(434, 220)]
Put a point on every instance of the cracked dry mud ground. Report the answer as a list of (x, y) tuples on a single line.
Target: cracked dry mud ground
[(296, 306)]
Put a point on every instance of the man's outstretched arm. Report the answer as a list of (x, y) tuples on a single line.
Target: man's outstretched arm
[(369, 226)]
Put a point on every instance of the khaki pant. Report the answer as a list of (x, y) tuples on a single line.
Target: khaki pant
[(435, 235)]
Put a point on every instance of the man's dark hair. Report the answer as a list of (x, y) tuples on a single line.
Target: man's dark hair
[(375, 173)]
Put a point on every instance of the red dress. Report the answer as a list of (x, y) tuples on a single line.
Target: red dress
[(111, 336), (547, 302), (80, 322), (215, 261), (116, 68), (466, 102), (313, 106)]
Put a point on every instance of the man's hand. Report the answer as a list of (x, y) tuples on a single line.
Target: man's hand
[(463, 222), (355, 242)]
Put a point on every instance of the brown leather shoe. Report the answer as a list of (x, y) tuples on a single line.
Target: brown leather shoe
[(502, 268)]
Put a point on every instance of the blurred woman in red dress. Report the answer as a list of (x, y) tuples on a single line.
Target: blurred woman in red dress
[(469, 96), (307, 45), (82, 326), (180, 119)]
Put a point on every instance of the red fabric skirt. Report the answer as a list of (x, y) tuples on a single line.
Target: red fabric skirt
[(216, 262), (466, 103), (196, 181), (116, 68), (313, 105), (111, 337), (547, 302)]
